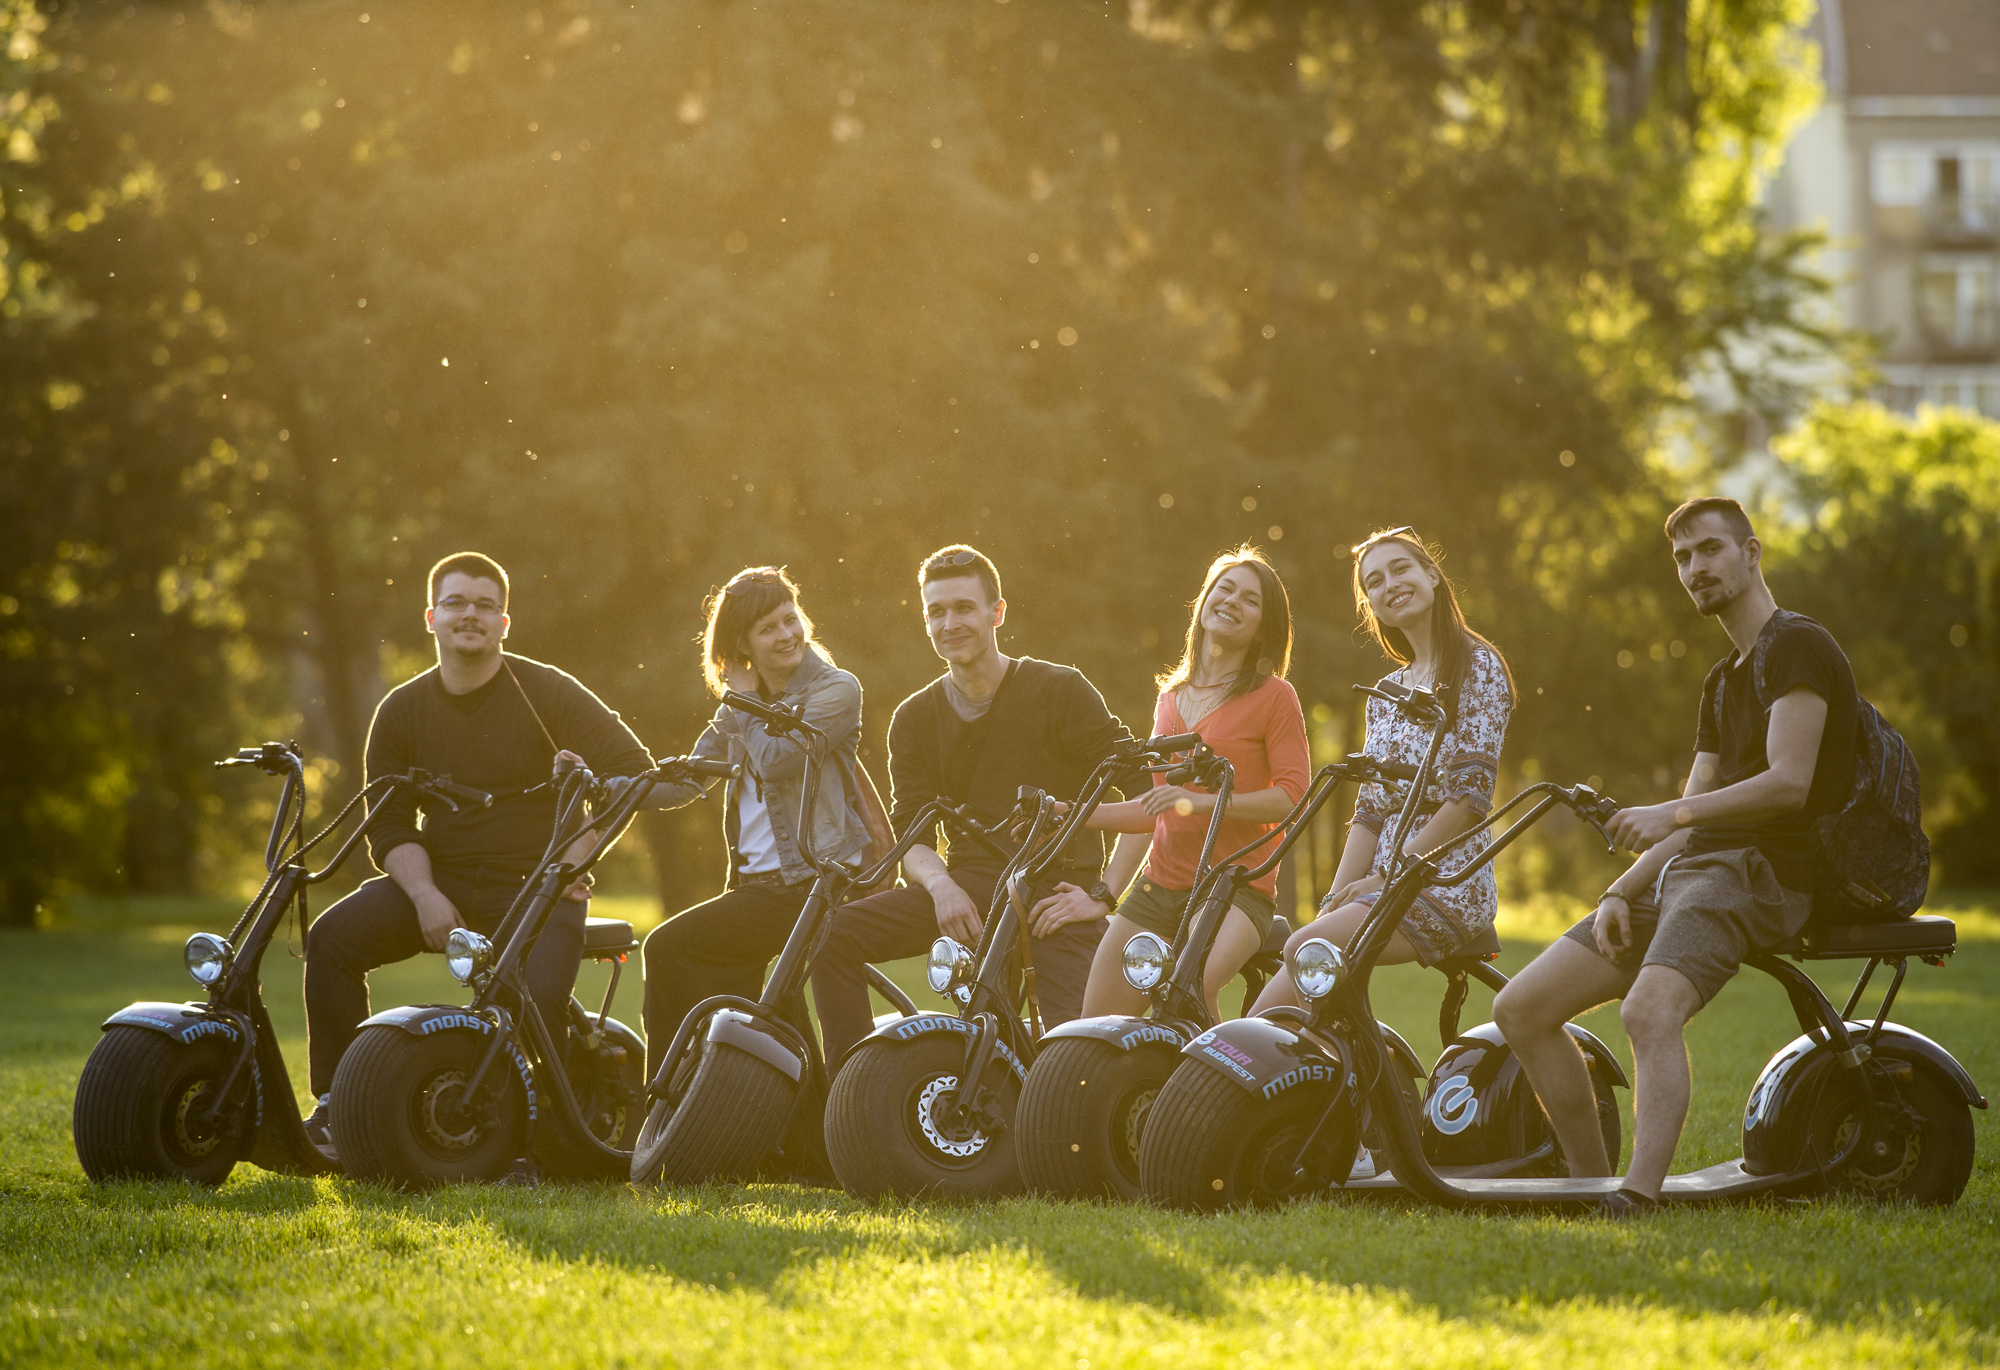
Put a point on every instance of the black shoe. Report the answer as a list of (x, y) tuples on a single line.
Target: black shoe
[(1626, 1203), (524, 1173), (319, 1131)]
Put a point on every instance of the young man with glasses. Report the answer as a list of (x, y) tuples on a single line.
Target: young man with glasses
[(493, 721), (989, 725)]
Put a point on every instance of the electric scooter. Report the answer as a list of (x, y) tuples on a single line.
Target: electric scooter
[(185, 1091), (742, 1087), (436, 1093), (926, 1103), (1267, 1108)]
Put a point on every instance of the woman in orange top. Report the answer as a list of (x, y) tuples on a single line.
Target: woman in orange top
[(1230, 688)]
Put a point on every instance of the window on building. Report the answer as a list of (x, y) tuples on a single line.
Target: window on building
[(1957, 296)]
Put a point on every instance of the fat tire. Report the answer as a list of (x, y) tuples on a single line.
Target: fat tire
[(730, 1117), (1075, 1131), (379, 1097), (874, 1139), (1207, 1140), (1937, 1159), (125, 1121)]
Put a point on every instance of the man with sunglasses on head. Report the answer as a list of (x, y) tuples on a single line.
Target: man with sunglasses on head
[(989, 725), (496, 722)]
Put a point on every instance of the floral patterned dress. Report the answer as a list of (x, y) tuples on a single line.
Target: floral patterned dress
[(1443, 917)]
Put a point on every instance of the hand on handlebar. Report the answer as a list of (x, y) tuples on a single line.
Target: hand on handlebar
[(1178, 798), (1067, 905), (1637, 829), (1343, 895), (957, 915), (565, 762), (437, 916)]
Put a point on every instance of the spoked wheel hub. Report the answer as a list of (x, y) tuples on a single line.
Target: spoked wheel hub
[(195, 1134), (1890, 1157), (445, 1120), (1136, 1111)]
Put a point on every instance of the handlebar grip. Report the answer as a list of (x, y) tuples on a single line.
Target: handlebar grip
[(1395, 770), (1174, 742), (776, 717), (720, 770), (446, 785)]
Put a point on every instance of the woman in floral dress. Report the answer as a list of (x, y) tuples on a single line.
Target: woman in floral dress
[(1408, 604)]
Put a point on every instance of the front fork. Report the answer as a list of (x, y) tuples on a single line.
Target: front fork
[(971, 1103)]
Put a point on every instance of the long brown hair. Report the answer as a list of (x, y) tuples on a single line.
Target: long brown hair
[(734, 610), (1449, 630), (1269, 653)]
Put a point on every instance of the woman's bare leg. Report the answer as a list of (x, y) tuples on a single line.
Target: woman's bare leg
[(1107, 991)]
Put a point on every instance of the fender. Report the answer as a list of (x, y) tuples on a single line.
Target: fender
[(909, 1027), (1404, 1054), (1263, 1057), (1774, 1118), (183, 1022), (740, 1030), (421, 1020), (1122, 1032), (1587, 1042)]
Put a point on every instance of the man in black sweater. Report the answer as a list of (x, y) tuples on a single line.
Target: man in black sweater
[(493, 721), (975, 735)]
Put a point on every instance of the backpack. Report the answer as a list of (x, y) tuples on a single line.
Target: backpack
[(1872, 861)]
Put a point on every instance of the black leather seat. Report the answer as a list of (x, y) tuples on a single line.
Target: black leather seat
[(1483, 945), (1271, 955), (1923, 934), (604, 938)]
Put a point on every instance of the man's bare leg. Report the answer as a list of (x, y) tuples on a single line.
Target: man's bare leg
[(1655, 1014), (1531, 1010)]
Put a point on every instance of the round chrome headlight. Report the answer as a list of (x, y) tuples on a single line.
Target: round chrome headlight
[(950, 965), (207, 957), (466, 953), (1145, 960), (1317, 967)]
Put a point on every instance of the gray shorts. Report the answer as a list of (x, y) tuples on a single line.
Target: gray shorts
[(1712, 911)]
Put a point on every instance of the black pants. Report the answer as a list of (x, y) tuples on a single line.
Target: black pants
[(719, 947), (377, 925), (902, 922)]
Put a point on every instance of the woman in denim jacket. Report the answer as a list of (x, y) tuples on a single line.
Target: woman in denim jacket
[(759, 641)]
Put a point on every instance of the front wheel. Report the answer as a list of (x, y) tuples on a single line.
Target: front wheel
[(894, 1126), (727, 1118), (401, 1116), (1922, 1153), (1083, 1112), (141, 1109), (1211, 1144)]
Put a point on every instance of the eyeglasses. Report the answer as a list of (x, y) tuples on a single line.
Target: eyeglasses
[(1405, 531), (749, 578), (458, 604), (968, 557)]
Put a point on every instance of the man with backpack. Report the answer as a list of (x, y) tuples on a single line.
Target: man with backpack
[(1727, 869)]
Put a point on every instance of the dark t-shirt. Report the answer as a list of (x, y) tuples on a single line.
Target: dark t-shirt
[(1734, 727)]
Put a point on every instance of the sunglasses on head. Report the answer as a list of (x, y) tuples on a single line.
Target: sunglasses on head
[(749, 578), (943, 559), (1405, 531)]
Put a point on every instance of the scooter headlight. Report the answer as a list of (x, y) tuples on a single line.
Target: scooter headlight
[(466, 953), (1145, 960), (207, 957), (950, 965), (1317, 967)]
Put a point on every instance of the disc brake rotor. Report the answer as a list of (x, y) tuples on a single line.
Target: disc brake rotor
[(442, 1109), (955, 1140), (186, 1137), (1878, 1180), (1135, 1120)]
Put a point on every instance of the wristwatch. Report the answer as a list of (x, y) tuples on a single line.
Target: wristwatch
[(1101, 893)]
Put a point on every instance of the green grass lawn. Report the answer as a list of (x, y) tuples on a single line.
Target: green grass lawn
[(273, 1270)]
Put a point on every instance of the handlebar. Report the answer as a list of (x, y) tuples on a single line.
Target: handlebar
[(715, 770), (1173, 742), (1422, 705), (776, 717), (451, 792)]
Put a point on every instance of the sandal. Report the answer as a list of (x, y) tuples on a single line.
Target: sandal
[(1626, 1203)]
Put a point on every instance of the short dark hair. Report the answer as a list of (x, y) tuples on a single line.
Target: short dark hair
[(960, 560), (472, 564), (1732, 514), (733, 611)]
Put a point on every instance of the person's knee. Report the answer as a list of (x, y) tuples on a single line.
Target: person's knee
[(1655, 1011)]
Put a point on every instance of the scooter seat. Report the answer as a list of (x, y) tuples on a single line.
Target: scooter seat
[(1483, 945), (1923, 934), (1271, 955), (604, 938)]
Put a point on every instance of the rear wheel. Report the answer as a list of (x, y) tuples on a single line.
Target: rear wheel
[(401, 1116), (893, 1125), (141, 1104), (728, 1117), (609, 1085), (1211, 1144), (1922, 1152), (1083, 1111)]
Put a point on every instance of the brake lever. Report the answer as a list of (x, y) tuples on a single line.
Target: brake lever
[(1588, 804)]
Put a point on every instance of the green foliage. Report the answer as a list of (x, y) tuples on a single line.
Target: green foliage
[(1898, 552)]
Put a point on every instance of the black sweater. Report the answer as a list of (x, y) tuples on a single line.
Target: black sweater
[(1047, 727), (489, 739)]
